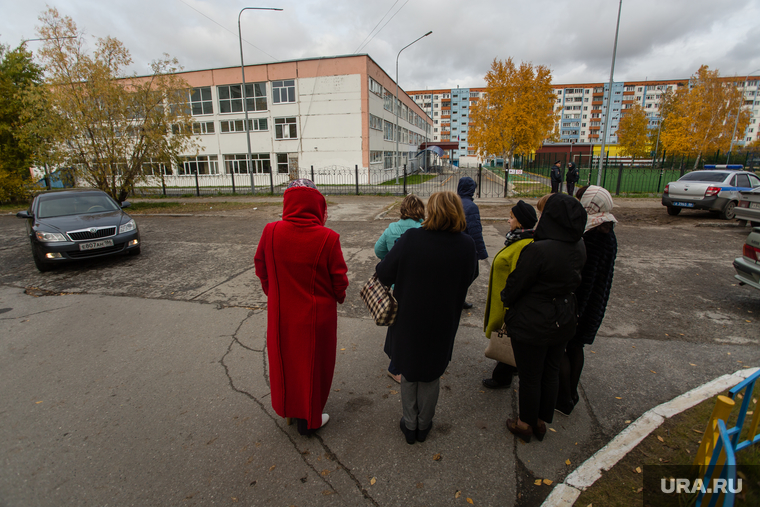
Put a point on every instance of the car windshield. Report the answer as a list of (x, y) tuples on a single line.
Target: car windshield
[(78, 204), (711, 176)]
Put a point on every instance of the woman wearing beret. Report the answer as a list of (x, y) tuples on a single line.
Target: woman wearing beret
[(522, 219)]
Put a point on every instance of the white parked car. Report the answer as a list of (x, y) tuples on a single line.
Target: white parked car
[(748, 208), (716, 188)]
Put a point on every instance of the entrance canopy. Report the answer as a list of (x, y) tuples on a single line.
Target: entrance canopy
[(445, 146)]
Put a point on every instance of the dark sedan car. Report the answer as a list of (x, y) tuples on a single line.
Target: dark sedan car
[(78, 224)]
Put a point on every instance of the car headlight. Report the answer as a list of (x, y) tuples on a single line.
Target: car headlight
[(129, 226), (50, 237)]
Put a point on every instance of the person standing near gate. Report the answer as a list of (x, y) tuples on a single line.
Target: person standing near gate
[(465, 191), (572, 177), (556, 176)]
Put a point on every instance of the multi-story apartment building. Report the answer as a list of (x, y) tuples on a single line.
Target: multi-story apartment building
[(581, 109), (320, 112)]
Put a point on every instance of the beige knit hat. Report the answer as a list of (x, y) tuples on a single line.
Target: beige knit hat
[(597, 202)]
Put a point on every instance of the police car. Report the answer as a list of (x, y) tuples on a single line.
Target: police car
[(716, 188)]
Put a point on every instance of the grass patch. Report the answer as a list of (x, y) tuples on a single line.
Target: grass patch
[(193, 207), (675, 442), (414, 179), (13, 208)]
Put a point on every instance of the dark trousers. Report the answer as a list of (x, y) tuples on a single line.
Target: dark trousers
[(538, 369), (503, 373), (570, 370), (570, 188), (555, 187)]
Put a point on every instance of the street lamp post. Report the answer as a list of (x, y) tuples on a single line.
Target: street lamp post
[(245, 102), (736, 121), (609, 100), (397, 106)]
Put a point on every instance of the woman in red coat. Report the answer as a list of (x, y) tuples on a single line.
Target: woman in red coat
[(302, 272)]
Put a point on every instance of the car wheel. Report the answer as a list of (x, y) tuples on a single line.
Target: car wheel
[(673, 210), (42, 266), (728, 212), (754, 224), (134, 251)]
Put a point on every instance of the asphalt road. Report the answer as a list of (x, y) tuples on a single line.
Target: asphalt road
[(142, 380)]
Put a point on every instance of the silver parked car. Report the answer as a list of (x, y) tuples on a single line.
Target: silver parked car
[(748, 265), (716, 188), (748, 208)]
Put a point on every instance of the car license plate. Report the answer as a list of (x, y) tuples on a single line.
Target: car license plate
[(754, 205), (684, 204), (96, 244)]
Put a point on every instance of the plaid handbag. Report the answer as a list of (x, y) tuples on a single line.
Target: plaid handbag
[(380, 301)]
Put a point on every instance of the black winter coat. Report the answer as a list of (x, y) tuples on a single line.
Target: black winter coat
[(539, 292), (432, 271), (573, 175), (556, 174), (594, 290), (465, 190)]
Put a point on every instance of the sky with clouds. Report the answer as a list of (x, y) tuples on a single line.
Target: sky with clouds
[(659, 39)]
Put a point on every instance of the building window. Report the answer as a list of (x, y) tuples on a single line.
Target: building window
[(282, 163), (283, 91), (202, 164), (255, 124), (231, 97), (388, 160), (388, 101), (203, 127), (388, 131), (375, 122), (375, 87), (236, 163), (375, 157), (200, 101), (285, 128)]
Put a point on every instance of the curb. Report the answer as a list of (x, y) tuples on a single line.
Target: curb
[(566, 493)]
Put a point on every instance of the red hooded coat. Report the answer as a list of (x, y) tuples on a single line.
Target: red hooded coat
[(302, 272)]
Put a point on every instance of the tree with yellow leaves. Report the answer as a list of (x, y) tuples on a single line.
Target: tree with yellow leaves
[(633, 132), (516, 114), (701, 117), (114, 125)]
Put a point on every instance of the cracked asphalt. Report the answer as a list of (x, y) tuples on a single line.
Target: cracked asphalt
[(143, 380)]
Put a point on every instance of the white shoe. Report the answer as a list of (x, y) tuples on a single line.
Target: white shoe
[(325, 418)]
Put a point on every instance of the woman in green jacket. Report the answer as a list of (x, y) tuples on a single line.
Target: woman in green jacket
[(522, 220)]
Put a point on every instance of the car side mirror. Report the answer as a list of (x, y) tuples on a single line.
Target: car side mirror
[(126, 204), (24, 214)]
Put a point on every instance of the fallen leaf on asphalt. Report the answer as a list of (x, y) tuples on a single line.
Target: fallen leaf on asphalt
[(682, 334), (748, 321), (372, 481), (639, 490), (692, 364), (618, 398), (552, 429), (537, 482), (638, 470), (419, 485), (688, 451), (37, 402), (750, 412), (327, 492), (666, 334), (660, 438), (547, 482), (325, 472), (628, 421), (593, 352), (336, 390), (457, 494), (234, 499), (567, 462), (653, 371), (697, 431), (729, 353), (393, 391), (469, 501), (343, 348), (272, 467), (437, 457)]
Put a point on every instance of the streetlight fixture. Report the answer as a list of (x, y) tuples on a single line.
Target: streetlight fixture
[(245, 101), (736, 121), (397, 106), (609, 100)]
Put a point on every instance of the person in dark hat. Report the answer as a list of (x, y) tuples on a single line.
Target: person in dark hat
[(522, 220), (556, 176), (572, 177)]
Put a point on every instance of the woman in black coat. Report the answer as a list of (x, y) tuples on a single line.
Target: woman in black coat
[(542, 309), (594, 291), (432, 267)]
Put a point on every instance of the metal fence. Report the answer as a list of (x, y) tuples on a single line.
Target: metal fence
[(528, 178)]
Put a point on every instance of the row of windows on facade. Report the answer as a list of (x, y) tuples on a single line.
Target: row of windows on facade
[(389, 128), (230, 97), (209, 164), (284, 128), (401, 109)]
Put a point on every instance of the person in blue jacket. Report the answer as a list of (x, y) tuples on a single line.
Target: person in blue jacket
[(412, 214), (465, 190)]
